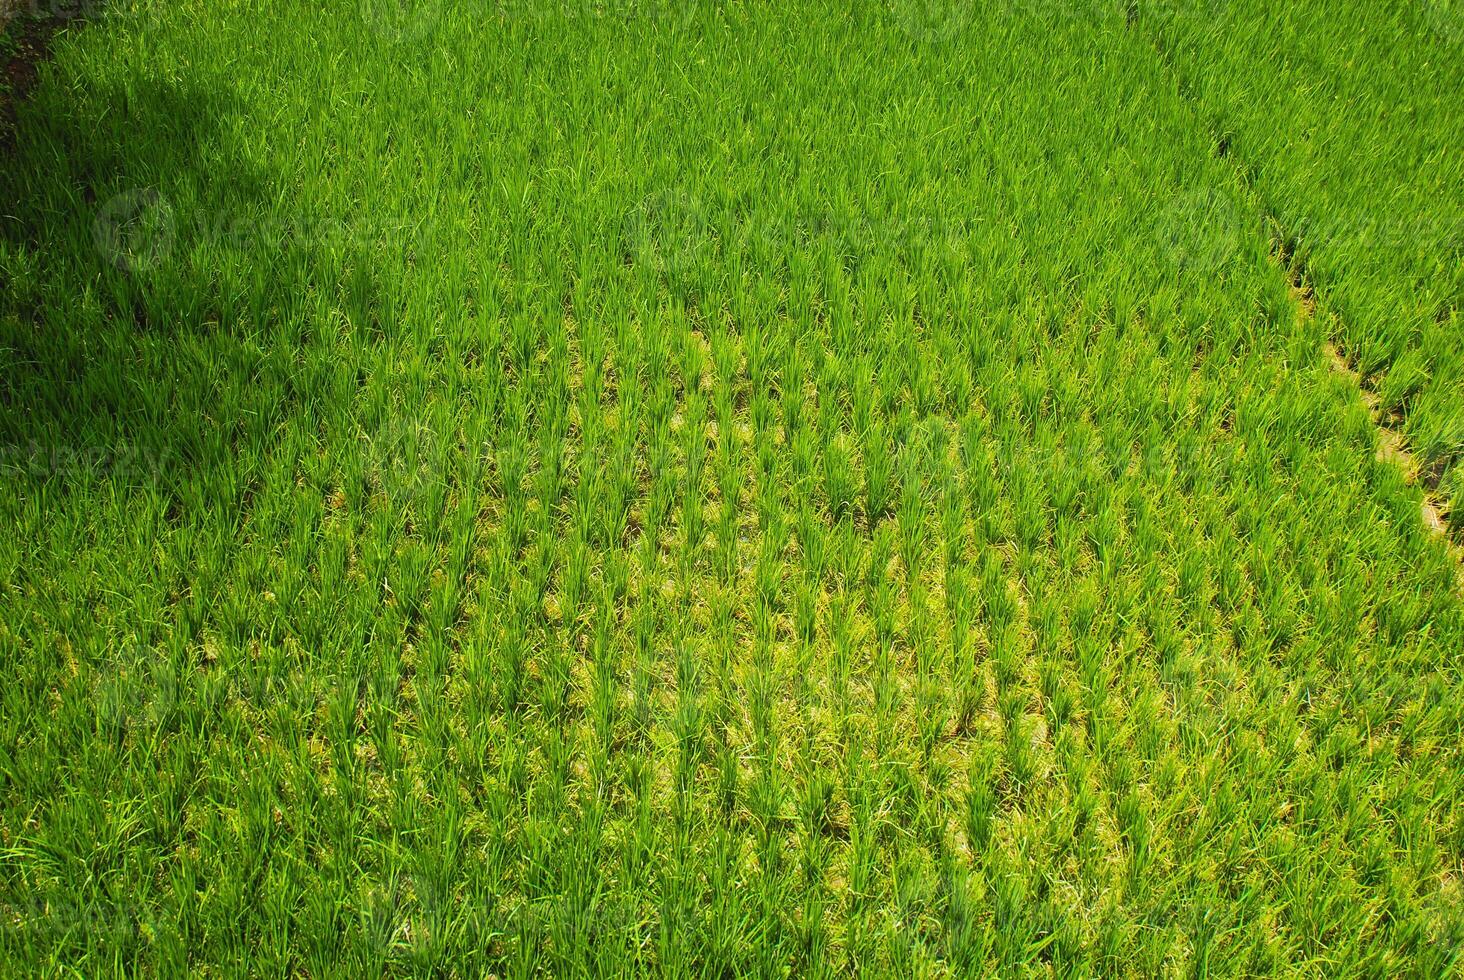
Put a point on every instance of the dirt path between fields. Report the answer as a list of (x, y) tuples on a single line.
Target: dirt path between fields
[(1392, 446)]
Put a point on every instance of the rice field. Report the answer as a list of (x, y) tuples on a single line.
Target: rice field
[(722, 487)]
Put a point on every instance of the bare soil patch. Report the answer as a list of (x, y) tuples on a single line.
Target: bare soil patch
[(25, 43)]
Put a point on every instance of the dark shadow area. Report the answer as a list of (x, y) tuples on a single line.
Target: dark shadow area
[(150, 316), (25, 42), (27, 28)]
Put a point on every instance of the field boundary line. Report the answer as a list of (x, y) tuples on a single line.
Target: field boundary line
[(1393, 445)]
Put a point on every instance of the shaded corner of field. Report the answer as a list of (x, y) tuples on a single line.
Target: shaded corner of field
[(27, 28), (118, 340)]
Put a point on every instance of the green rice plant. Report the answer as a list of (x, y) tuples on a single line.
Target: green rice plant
[(878, 474), (838, 480)]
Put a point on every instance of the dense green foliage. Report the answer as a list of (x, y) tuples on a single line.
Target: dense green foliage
[(714, 489), (1345, 119)]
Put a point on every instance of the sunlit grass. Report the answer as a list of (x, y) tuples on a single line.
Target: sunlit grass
[(705, 489)]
